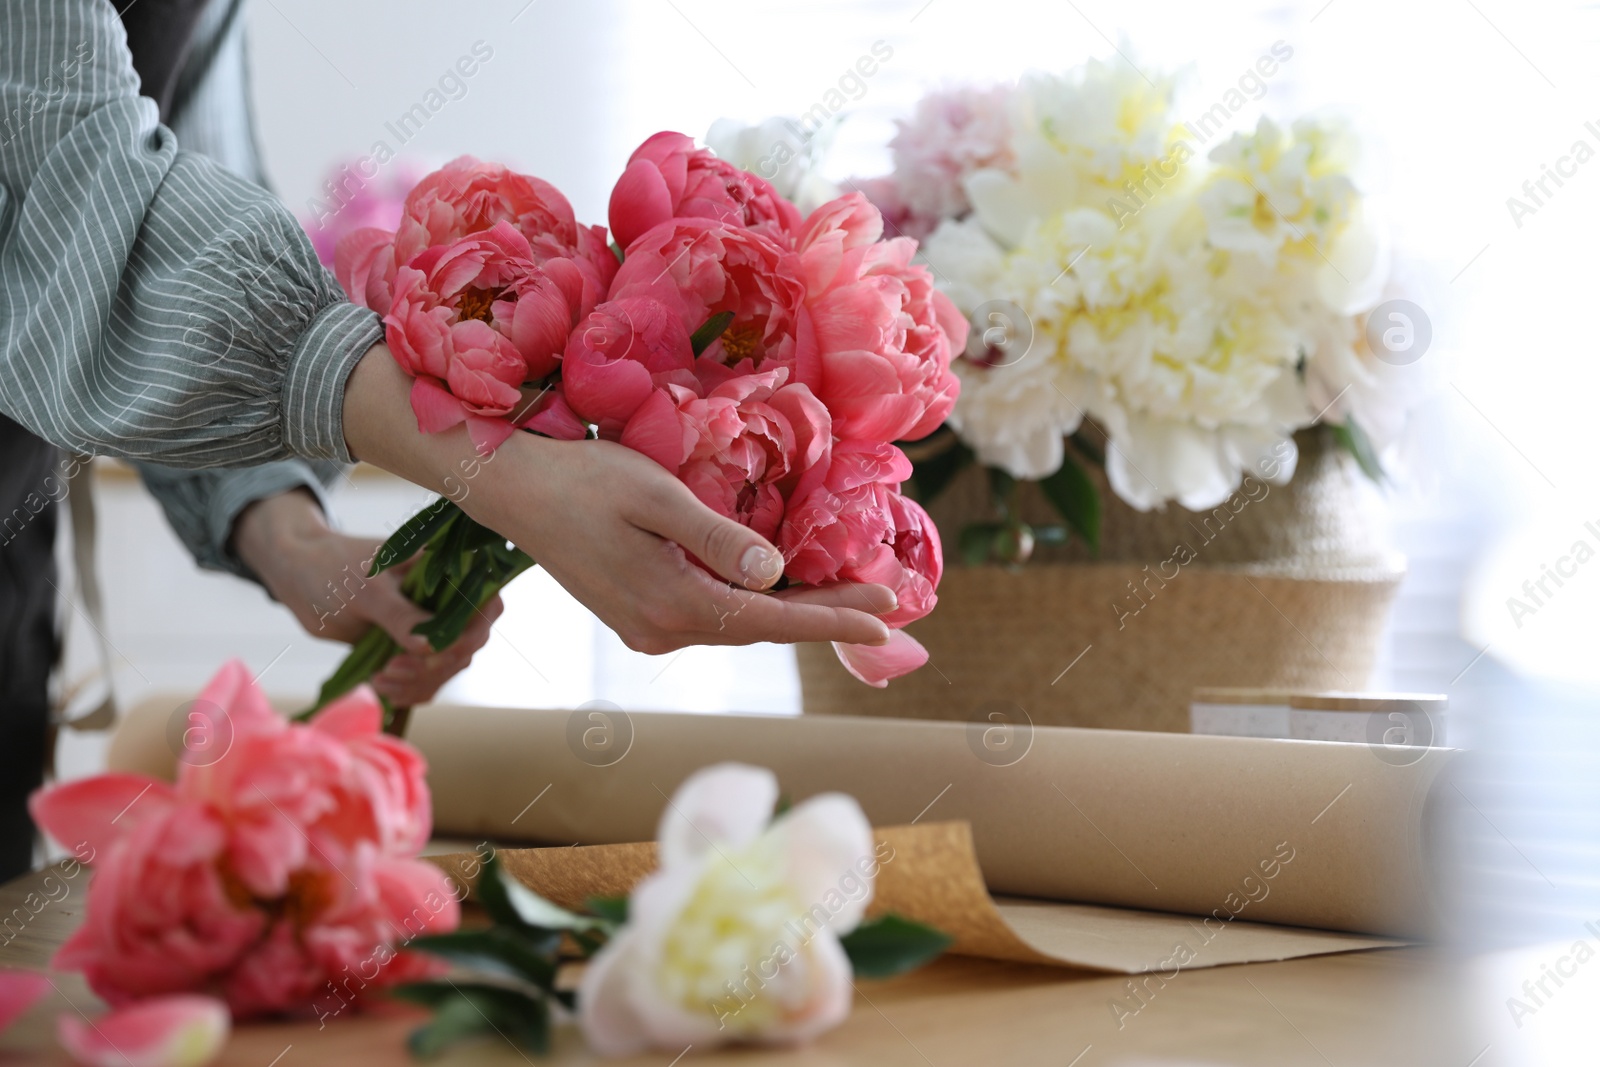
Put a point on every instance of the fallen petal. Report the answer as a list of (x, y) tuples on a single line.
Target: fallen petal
[(18, 992), (178, 1031)]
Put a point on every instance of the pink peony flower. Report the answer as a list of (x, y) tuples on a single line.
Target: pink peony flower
[(357, 202), (466, 196), (625, 350), (847, 516), (669, 178), (704, 268), (910, 561), (950, 135), (177, 1031), (743, 449), (473, 321), (463, 198), (264, 874), (884, 334)]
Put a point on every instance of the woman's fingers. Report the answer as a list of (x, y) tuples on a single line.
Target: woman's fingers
[(410, 678), (735, 552), (863, 596)]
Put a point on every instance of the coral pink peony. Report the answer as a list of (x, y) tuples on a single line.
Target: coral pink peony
[(885, 335), (743, 449), (474, 320), (264, 874), (846, 517), (177, 1031), (910, 561), (467, 197), (627, 348), (668, 178), (709, 268)]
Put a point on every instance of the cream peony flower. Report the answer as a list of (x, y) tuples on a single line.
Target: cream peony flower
[(736, 936)]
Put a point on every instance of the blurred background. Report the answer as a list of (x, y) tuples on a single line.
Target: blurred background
[(1458, 102)]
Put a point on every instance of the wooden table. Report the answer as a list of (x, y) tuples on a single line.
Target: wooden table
[(1401, 1007)]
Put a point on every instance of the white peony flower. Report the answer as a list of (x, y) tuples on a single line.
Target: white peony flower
[(783, 152), (736, 936)]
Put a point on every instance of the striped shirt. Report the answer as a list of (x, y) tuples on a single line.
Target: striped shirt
[(157, 303)]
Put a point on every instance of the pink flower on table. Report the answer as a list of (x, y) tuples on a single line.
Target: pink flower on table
[(669, 178), (473, 321), (705, 268), (176, 1031), (19, 991), (627, 348), (743, 449), (261, 874), (884, 334)]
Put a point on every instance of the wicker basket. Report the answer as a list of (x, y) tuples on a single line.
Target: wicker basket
[(1283, 587)]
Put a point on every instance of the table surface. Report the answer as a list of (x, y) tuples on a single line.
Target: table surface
[(1396, 1006)]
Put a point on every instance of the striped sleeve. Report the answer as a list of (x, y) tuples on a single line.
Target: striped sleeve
[(153, 304)]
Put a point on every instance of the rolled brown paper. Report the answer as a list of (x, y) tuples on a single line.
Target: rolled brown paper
[(929, 873), (1163, 822)]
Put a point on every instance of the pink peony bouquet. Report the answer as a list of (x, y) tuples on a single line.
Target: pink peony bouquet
[(768, 360), (281, 876)]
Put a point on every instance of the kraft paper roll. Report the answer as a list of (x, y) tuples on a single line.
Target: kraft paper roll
[(929, 872), (1190, 825)]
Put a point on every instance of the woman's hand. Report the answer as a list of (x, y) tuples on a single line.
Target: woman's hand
[(612, 527), (320, 575)]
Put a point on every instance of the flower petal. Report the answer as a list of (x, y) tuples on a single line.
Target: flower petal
[(98, 811), (831, 856), (876, 664), (721, 806), (19, 991), (177, 1031)]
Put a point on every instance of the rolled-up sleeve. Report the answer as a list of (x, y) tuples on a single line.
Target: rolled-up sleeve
[(153, 304), (202, 506)]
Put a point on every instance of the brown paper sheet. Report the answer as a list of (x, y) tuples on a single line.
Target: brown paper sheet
[(931, 874), (1296, 833)]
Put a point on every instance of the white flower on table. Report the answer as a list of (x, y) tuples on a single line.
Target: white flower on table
[(736, 936)]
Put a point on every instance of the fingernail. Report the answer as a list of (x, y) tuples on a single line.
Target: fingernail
[(760, 566), (418, 644), (894, 604)]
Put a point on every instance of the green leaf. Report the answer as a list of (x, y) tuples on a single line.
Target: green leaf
[(496, 950), (891, 945), (470, 1009), (1075, 499), (931, 476), (413, 534), (510, 903), (367, 657), (611, 909), (1354, 440), (712, 329), (1002, 489), (781, 808), (616, 250)]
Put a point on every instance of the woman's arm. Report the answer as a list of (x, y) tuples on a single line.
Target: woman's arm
[(612, 527), (153, 305)]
